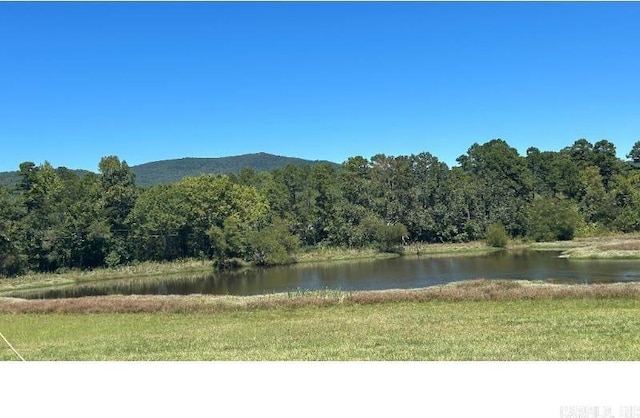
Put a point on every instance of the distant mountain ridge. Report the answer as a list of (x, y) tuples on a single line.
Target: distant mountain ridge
[(9, 178), (169, 171)]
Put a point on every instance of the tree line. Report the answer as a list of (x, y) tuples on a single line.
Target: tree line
[(55, 219)]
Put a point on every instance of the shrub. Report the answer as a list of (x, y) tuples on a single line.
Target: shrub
[(497, 236), (113, 259), (274, 244)]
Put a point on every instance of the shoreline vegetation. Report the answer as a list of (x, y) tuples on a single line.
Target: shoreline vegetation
[(610, 247), (479, 290), (189, 266)]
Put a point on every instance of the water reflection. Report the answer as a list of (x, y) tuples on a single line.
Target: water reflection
[(412, 272)]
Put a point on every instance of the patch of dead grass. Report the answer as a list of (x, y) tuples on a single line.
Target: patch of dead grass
[(623, 245)]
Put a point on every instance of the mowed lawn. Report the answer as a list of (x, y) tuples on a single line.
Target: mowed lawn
[(578, 328)]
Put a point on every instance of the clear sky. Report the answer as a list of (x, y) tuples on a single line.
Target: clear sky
[(152, 81)]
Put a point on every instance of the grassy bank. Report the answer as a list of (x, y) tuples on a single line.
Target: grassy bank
[(147, 269), (461, 249), (618, 247), (332, 254), (480, 320)]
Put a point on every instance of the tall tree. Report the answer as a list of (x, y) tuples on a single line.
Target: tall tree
[(596, 204), (604, 157), (118, 198), (11, 261), (634, 154), (504, 182), (299, 206), (325, 184), (581, 152), (40, 191), (625, 191)]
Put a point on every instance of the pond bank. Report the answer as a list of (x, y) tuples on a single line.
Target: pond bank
[(606, 247), (611, 247), (471, 290), (190, 266)]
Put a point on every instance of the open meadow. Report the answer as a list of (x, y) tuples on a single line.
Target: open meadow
[(477, 320)]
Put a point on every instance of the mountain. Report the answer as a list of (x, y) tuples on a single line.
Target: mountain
[(168, 171), (9, 178)]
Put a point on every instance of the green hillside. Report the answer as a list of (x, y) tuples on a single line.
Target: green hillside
[(9, 178), (168, 171)]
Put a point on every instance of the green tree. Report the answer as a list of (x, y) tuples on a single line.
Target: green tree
[(626, 197), (564, 177), (581, 152), (439, 208), (118, 198), (355, 181), (75, 247), (354, 204), (554, 172), (38, 234), (468, 211), (595, 204), (206, 215), (503, 181), (381, 235), (273, 243), (552, 219), (159, 221), (634, 154), (11, 262), (298, 208), (327, 196), (541, 165), (604, 157)]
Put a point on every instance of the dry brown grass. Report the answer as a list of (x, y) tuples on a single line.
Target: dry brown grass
[(623, 245), (447, 249), (609, 247), (474, 290)]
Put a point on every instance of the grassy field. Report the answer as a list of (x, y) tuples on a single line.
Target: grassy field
[(479, 320)]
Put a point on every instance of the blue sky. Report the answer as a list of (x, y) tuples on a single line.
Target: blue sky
[(152, 81)]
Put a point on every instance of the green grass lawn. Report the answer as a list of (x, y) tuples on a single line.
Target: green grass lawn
[(572, 328)]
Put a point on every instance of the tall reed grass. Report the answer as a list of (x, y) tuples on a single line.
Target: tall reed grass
[(474, 290)]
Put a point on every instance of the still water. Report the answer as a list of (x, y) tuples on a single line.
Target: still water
[(396, 273)]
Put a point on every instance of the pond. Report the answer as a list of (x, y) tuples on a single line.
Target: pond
[(395, 273)]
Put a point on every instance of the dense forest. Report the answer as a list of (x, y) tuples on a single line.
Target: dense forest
[(56, 219)]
